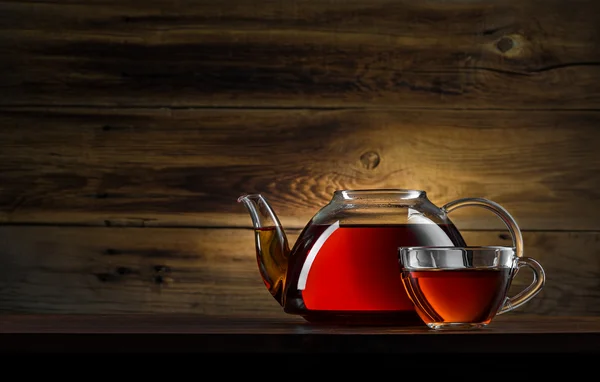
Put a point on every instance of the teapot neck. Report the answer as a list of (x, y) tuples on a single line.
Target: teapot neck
[(386, 195)]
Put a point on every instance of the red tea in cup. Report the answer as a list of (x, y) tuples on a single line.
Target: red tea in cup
[(464, 287)]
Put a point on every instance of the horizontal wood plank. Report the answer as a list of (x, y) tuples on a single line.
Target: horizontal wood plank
[(141, 167), (213, 272), (386, 53)]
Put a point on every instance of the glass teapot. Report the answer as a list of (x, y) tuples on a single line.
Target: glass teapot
[(343, 268)]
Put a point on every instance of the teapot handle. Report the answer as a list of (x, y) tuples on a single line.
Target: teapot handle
[(510, 222)]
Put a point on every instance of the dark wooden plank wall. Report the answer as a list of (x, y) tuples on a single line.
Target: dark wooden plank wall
[(128, 129)]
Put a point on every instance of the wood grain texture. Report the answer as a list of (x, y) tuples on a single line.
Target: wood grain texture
[(213, 271), (397, 54), (126, 114), (187, 167)]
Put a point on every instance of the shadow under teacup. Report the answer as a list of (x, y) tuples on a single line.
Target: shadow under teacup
[(465, 287)]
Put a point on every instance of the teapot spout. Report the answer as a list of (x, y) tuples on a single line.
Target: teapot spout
[(272, 248)]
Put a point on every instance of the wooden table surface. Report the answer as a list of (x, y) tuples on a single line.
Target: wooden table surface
[(189, 333)]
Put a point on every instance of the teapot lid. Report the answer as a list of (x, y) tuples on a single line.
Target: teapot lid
[(379, 194)]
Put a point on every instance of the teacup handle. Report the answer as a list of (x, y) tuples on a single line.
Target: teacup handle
[(539, 277)]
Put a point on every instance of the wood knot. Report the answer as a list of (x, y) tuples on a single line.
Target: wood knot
[(370, 160), (505, 44), (162, 280), (161, 276)]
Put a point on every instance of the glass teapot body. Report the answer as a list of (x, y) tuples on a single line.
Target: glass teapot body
[(344, 265)]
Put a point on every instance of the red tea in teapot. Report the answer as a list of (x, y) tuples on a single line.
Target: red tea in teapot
[(351, 272)]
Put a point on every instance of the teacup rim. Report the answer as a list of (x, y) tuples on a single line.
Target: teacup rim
[(459, 247)]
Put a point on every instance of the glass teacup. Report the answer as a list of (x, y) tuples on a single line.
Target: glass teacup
[(465, 287)]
